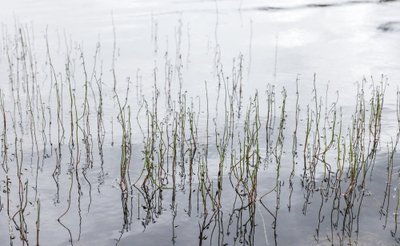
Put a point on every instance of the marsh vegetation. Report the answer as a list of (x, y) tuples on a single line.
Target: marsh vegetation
[(90, 155)]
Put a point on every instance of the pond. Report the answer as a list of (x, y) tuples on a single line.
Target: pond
[(199, 122)]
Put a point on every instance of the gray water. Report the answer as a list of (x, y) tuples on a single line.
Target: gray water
[(276, 43)]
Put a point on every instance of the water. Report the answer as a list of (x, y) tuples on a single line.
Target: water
[(348, 37), (204, 44)]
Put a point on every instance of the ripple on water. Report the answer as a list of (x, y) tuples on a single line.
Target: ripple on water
[(391, 26)]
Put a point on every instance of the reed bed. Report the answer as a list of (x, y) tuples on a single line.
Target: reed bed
[(225, 168)]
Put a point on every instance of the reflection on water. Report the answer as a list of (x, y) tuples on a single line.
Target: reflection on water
[(157, 124)]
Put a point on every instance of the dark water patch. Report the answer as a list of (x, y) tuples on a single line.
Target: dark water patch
[(313, 5), (391, 26)]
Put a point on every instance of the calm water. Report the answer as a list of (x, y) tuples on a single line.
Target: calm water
[(267, 43), (341, 43)]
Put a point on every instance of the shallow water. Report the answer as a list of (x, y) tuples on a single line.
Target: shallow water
[(263, 44)]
